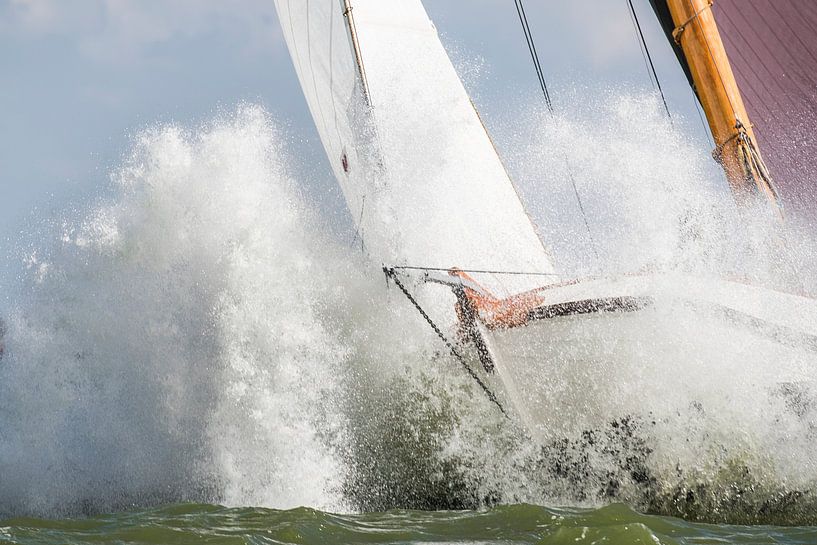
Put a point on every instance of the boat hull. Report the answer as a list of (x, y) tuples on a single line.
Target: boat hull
[(651, 346)]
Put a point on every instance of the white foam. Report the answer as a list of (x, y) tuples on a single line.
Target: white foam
[(170, 345), (202, 336)]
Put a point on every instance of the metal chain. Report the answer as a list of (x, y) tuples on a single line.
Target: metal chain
[(391, 274)]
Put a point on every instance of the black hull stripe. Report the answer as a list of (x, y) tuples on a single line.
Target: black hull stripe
[(780, 334)]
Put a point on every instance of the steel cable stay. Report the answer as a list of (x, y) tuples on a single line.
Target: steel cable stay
[(523, 20), (473, 271), (645, 51)]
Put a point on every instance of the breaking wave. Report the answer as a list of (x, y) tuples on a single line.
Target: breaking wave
[(171, 346), (203, 336)]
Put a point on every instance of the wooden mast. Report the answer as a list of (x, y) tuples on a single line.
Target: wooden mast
[(736, 147)]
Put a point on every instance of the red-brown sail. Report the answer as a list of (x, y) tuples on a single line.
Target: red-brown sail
[(772, 50), (772, 46)]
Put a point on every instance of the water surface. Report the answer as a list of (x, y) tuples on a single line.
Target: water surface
[(200, 523)]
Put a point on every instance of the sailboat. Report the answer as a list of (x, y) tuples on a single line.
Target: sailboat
[(433, 202)]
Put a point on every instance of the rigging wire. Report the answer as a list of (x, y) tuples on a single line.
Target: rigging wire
[(583, 212), (707, 130), (474, 271), (359, 228), (391, 274), (645, 52), (641, 49), (523, 19)]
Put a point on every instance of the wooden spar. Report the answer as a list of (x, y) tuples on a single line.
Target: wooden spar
[(736, 147), (350, 25)]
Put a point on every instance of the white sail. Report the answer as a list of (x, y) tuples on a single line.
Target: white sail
[(420, 174)]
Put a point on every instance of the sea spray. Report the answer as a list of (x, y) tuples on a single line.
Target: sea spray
[(650, 194), (202, 336), (169, 346), (709, 433)]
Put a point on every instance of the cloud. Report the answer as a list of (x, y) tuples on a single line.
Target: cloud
[(599, 29), (126, 30), (48, 17), (33, 14)]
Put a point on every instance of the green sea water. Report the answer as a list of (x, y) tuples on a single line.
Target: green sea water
[(211, 524)]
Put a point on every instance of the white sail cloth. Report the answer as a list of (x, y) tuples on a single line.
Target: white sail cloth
[(420, 174)]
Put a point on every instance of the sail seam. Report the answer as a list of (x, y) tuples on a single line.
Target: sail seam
[(312, 68), (294, 42), (741, 51), (804, 88), (332, 74)]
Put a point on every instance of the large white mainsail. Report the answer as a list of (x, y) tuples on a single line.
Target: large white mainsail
[(419, 172)]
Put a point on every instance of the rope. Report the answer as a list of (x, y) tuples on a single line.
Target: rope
[(753, 161), (391, 274), (645, 51), (750, 157), (679, 30)]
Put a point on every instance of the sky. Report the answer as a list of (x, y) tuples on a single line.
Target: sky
[(78, 78)]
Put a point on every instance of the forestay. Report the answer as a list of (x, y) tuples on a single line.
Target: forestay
[(420, 174)]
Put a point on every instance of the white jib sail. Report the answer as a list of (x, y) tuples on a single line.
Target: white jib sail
[(419, 172)]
